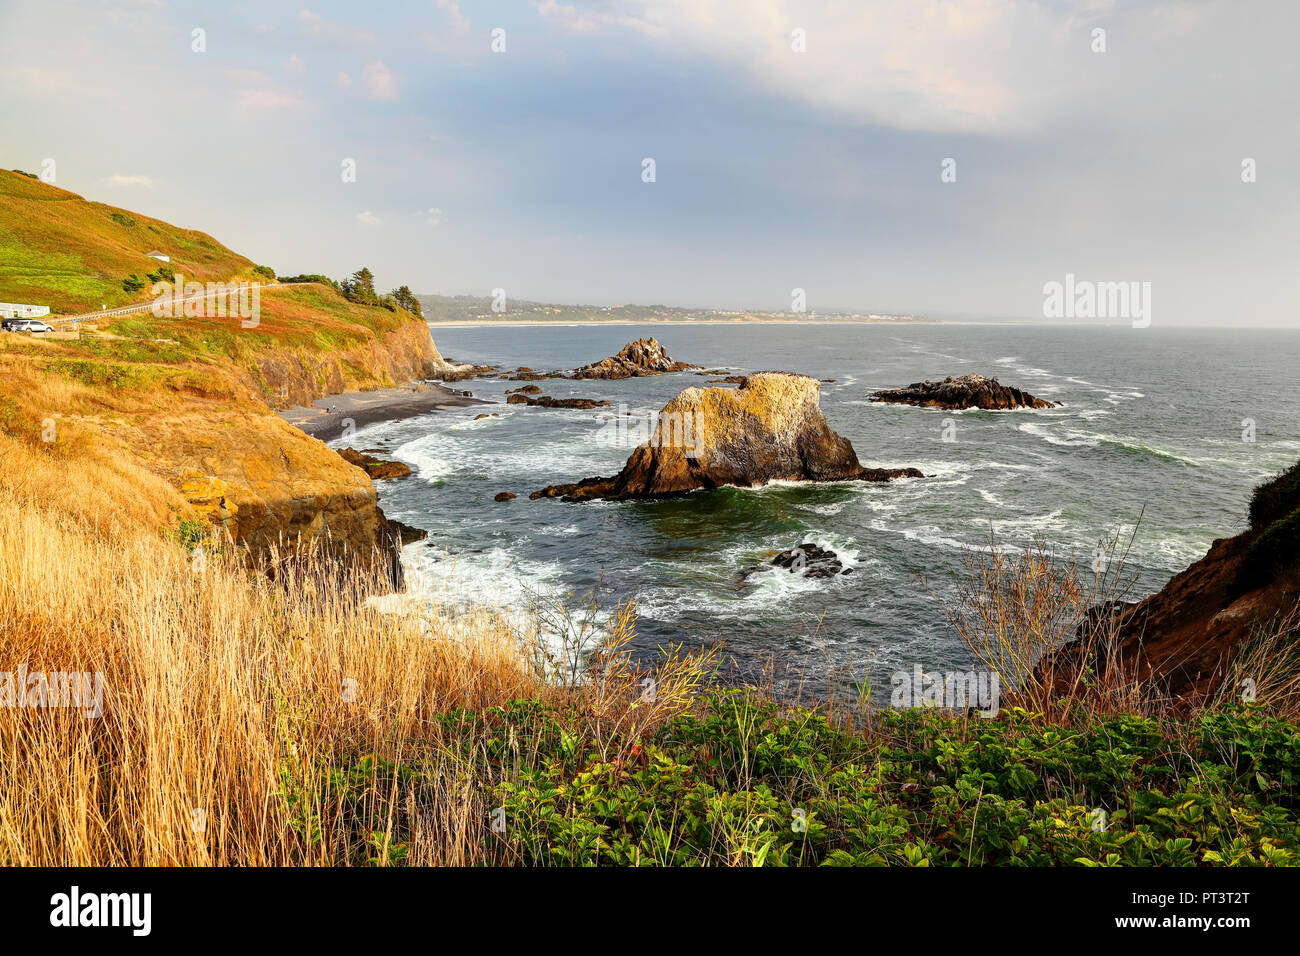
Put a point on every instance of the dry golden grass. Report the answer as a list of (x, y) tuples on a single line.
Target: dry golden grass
[(1044, 626), (226, 699), (1266, 669), (224, 693)]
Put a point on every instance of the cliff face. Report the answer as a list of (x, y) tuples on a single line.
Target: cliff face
[(281, 487), (201, 423), (299, 377), (273, 488), (771, 428), (1185, 635)]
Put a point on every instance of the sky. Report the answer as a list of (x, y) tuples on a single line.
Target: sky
[(795, 145)]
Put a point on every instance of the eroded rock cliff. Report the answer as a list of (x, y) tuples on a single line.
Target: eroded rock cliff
[(1184, 637)]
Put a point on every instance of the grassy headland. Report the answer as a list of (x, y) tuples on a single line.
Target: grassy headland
[(61, 250)]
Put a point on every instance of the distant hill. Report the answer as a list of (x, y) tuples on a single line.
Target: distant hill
[(475, 308), (478, 309), (61, 250)]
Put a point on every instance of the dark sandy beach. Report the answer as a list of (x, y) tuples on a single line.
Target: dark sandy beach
[(364, 408)]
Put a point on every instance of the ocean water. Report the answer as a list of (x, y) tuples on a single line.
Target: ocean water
[(1152, 427)]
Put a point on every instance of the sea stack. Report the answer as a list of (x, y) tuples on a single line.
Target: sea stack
[(968, 391), (769, 429), (642, 357)]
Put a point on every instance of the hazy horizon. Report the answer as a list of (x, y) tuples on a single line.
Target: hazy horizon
[(795, 146)]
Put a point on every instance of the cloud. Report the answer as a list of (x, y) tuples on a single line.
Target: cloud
[(432, 215), (381, 82), (368, 218), (247, 77), (563, 15), (295, 65), (458, 22), (329, 32), (267, 100), (120, 179), (618, 14), (343, 80), (927, 65)]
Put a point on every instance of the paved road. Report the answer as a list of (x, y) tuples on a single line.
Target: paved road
[(139, 307)]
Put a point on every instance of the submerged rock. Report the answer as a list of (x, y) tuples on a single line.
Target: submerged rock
[(547, 402), (769, 429), (642, 357), (807, 559), (968, 391), (503, 496), (526, 374)]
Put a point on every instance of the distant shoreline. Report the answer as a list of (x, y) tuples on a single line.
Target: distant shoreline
[(511, 323)]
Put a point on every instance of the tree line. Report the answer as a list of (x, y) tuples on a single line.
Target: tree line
[(360, 288)]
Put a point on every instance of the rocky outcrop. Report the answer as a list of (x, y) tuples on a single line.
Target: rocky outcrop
[(503, 496), (526, 374), (771, 428), (807, 559), (720, 377), (376, 468), (968, 391), (546, 401), (642, 357), (1183, 637), (271, 488)]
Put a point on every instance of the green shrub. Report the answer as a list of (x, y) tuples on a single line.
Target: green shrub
[(304, 278), (1276, 498), (1277, 548)]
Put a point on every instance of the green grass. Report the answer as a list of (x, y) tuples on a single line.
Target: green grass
[(741, 780), (60, 250), (114, 375)]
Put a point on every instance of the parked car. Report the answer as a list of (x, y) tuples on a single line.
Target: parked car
[(26, 325)]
